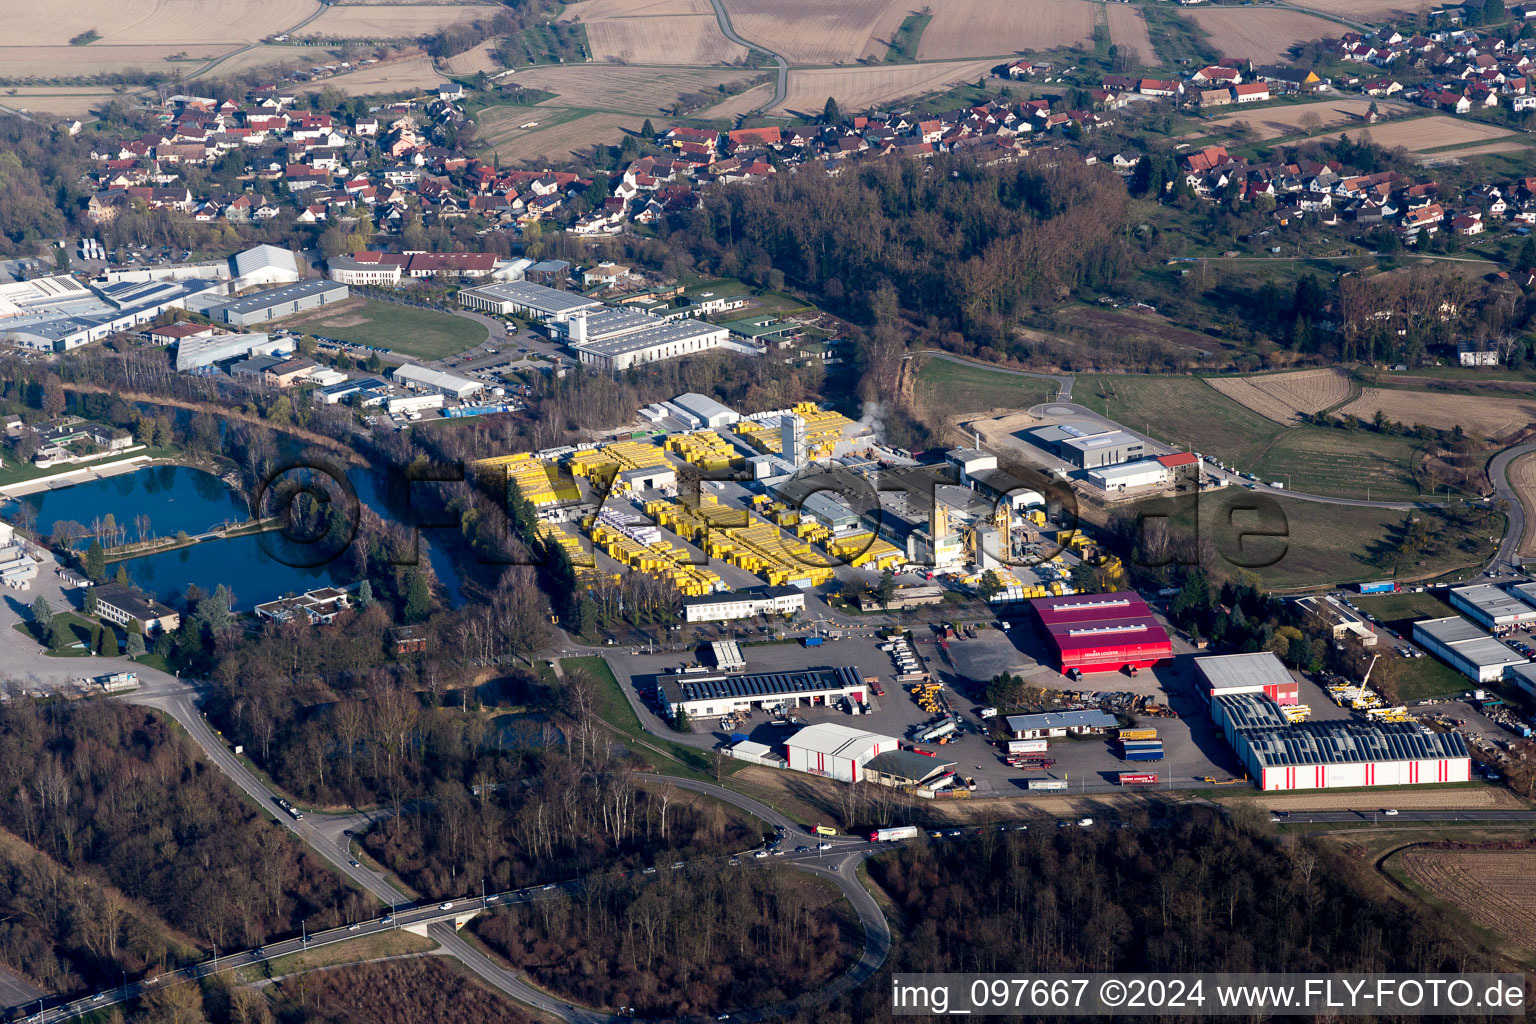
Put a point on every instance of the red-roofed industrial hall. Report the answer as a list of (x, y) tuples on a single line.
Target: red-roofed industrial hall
[(1102, 632)]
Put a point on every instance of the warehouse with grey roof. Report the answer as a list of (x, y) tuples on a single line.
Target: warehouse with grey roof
[(1467, 649)]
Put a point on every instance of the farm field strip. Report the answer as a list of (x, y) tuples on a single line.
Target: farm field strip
[(1128, 29), (413, 74), (1262, 36), (565, 136), (979, 28), (1491, 417), (157, 23), (642, 91), (47, 63), (1522, 477), (1495, 888), (1286, 397), (391, 21), (1366, 10), (1436, 132), (855, 88), (663, 39), (1278, 122), (816, 32)]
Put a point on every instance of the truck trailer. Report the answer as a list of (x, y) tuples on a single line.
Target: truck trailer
[(1013, 747), (1138, 778), (891, 835), (1046, 784)]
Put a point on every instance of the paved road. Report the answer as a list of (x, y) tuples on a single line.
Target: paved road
[(1498, 472), (781, 85), (1378, 818)]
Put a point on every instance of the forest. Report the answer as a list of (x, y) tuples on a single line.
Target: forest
[(673, 946), (123, 850)]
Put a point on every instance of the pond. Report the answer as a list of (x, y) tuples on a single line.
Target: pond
[(256, 568)]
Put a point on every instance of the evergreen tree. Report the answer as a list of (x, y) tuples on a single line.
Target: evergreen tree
[(647, 131), (365, 594), (42, 615), (90, 600), (1527, 258), (108, 648), (418, 597), (135, 644), (830, 114), (122, 574), (886, 588), (95, 563)]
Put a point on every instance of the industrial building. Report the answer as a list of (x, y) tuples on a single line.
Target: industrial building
[(1089, 447), (978, 470), (194, 353), (274, 304), (427, 379), (1339, 753), (904, 768), (1130, 476), (617, 339), (57, 314), (1490, 607), (1342, 622), (263, 265), (836, 751), (710, 413), (714, 696), (367, 390), (1060, 723), (1102, 632), (123, 605), (524, 298), (1467, 649), (1261, 673), (729, 605)]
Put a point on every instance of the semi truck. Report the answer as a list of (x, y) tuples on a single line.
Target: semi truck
[(891, 835), (1138, 778), (1381, 587), (939, 731), (907, 678), (1034, 785)]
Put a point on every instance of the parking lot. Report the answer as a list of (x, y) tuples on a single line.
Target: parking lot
[(1193, 750)]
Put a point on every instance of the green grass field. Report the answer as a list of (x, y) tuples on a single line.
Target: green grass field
[(957, 388), (1348, 464), (1290, 543), (423, 333), (903, 48), (1184, 411)]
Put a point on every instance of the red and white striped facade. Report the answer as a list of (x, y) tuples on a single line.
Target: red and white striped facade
[(1366, 773)]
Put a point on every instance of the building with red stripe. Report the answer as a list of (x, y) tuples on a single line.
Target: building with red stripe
[(836, 751), (1102, 632), (1260, 672), (1335, 754)]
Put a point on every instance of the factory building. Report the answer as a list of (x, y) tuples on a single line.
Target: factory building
[(427, 379), (714, 696), (1260, 673), (1342, 622), (194, 353), (524, 298), (1110, 448), (710, 413), (1490, 607), (57, 314), (1130, 476), (1336, 754), (367, 390), (730, 605), (274, 304), (617, 339), (836, 751), (1102, 632), (1464, 647)]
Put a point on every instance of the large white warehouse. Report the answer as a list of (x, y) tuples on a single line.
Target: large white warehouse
[(836, 751), (1491, 607), (1335, 754), (714, 696), (1464, 647)]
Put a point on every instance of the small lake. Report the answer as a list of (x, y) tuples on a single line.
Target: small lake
[(177, 498)]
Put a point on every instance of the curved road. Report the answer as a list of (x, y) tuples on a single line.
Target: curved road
[(1498, 473), (781, 85)]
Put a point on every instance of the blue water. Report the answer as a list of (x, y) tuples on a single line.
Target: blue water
[(180, 498)]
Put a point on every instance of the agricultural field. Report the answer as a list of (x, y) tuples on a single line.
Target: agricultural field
[(1286, 397), (1262, 36), (816, 32), (1494, 888), (1522, 477), (1491, 417), (477, 58), (157, 23), (272, 57), (980, 28), (1180, 410), (618, 89), (48, 63), (410, 331), (413, 74), (945, 388), (654, 32), (855, 88), (1423, 133), (1342, 463), (741, 104), (1367, 10), (391, 21), (558, 136), (1277, 122), (63, 102), (1486, 149), (1128, 30)]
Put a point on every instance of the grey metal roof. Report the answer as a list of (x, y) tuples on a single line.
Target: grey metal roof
[(535, 296), (262, 257), (905, 764), (1063, 720), (1250, 710), (1347, 742), (1452, 629), (1228, 670), (1495, 604), (274, 296)]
